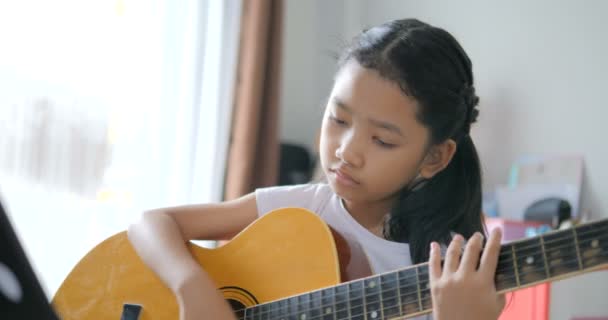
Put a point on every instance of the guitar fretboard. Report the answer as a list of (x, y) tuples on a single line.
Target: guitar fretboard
[(405, 292)]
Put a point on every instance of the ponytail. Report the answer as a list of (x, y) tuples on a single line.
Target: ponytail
[(448, 202)]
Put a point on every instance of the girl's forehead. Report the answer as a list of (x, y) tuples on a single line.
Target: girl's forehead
[(363, 90)]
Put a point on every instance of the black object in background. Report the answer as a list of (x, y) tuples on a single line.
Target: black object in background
[(295, 165), (21, 296), (552, 211)]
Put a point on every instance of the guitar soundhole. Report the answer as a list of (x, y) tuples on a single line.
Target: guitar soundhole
[(239, 298), (238, 307)]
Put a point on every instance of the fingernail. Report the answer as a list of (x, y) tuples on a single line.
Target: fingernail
[(498, 231), (434, 246), (479, 235), (458, 237)]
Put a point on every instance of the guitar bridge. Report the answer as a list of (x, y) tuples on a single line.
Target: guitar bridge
[(130, 311)]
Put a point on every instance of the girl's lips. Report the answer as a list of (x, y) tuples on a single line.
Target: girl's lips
[(344, 178)]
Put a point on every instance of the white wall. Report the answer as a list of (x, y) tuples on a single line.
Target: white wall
[(540, 71), (302, 74), (315, 31)]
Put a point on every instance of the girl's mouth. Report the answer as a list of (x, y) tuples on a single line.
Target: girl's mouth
[(344, 178)]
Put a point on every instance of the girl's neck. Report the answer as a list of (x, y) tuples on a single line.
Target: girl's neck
[(371, 216)]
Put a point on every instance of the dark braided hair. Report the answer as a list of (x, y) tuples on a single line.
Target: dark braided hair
[(429, 65)]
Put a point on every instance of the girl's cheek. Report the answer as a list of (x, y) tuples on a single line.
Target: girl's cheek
[(331, 135)]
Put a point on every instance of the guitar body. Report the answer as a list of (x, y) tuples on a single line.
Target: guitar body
[(275, 267), (284, 253)]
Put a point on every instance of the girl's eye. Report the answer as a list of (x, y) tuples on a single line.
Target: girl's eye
[(337, 121), (383, 144)]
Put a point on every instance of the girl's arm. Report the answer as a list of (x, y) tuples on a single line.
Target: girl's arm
[(160, 238), (461, 290)]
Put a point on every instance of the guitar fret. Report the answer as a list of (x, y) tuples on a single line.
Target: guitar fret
[(542, 244), (293, 308), (561, 253), (530, 261), (515, 265), (401, 309), (418, 289), (380, 295), (273, 312), (315, 306), (505, 269), (578, 251), (373, 307), (407, 286), (303, 302), (283, 308), (356, 300), (364, 305), (341, 297), (390, 295), (328, 303), (334, 305), (255, 315), (425, 290), (348, 302), (263, 309), (247, 314), (593, 243)]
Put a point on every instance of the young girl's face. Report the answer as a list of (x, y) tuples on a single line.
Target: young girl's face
[(372, 144)]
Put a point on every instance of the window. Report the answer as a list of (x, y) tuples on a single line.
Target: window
[(112, 107)]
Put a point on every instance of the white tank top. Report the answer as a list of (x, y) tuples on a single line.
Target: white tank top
[(382, 254)]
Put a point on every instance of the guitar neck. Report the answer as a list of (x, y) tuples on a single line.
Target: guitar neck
[(552, 256)]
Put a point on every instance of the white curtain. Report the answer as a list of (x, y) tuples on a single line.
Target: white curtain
[(108, 108)]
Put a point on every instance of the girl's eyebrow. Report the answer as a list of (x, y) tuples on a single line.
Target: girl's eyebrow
[(386, 125), (378, 123), (342, 105)]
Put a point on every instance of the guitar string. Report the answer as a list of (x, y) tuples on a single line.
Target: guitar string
[(569, 236), (523, 255), (580, 235), (426, 274), (511, 267), (566, 263), (414, 304), (565, 243), (360, 290), (500, 261), (402, 307), (423, 292), (507, 255), (569, 240)]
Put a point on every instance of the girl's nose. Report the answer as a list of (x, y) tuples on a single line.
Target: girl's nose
[(350, 153)]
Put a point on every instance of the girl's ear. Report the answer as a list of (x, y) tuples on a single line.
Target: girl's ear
[(438, 157)]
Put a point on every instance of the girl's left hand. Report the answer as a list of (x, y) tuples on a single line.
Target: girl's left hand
[(461, 290)]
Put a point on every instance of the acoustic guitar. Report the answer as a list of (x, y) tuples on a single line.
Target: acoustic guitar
[(290, 265)]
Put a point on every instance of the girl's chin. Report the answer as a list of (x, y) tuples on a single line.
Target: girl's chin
[(344, 192)]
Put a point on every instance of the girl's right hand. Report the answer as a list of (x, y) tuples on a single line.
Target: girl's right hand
[(198, 299), (160, 238), (186, 300)]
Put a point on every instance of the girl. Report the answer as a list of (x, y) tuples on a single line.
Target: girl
[(402, 176)]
